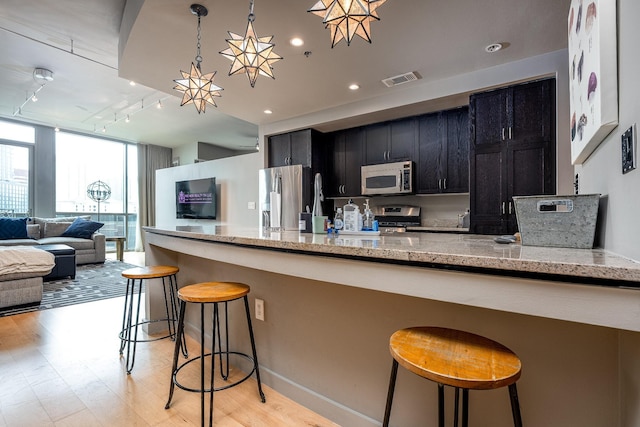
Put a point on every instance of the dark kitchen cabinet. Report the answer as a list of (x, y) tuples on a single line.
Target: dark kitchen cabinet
[(390, 141), (301, 147), (346, 160), (443, 152), (513, 148)]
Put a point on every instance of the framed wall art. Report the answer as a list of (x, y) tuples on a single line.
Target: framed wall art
[(593, 75)]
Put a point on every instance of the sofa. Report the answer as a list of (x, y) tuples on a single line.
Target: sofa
[(49, 231), (21, 273)]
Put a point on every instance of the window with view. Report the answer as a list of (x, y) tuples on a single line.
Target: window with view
[(16, 147), (85, 163)]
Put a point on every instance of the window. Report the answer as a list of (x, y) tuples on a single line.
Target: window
[(84, 162), (17, 132), (15, 172), (14, 180)]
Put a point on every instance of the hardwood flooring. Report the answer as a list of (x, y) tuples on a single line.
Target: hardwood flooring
[(61, 368)]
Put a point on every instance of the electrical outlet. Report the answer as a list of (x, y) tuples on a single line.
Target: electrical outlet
[(251, 205), (259, 309)]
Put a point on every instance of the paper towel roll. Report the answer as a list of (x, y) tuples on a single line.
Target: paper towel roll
[(276, 213)]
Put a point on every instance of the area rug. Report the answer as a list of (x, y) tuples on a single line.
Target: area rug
[(93, 282)]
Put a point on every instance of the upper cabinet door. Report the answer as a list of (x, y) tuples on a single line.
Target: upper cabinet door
[(531, 118), (377, 143), (279, 150), (430, 154), (301, 147), (488, 112), (443, 152), (456, 147), (402, 140), (344, 171), (353, 162)]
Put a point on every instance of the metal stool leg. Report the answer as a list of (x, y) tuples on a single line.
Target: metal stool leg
[(124, 332), (465, 407), (173, 291), (253, 349), (131, 354), (216, 319), (456, 405), (224, 373), (169, 315), (176, 352), (392, 386), (515, 405), (440, 405)]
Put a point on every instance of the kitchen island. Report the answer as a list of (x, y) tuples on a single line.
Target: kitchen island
[(332, 302)]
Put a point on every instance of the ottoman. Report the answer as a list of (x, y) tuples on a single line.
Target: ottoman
[(65, 259)]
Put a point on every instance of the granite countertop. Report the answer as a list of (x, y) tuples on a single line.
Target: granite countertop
[(461, 250)]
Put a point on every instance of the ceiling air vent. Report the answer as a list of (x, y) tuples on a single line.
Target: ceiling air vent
[(402, 78)]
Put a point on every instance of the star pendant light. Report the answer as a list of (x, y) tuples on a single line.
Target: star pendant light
[(197, 88), (251, 54), (347, 18)]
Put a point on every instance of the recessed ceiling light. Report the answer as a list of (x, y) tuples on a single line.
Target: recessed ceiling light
[(296, 41), (132, 83), (354, 86), (493, 47), (268, 111)]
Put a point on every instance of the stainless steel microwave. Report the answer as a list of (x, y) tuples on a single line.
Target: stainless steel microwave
[(387, 178)]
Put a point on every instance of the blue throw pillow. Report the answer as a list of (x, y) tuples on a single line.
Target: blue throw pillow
[(13, 228), (82, 228)]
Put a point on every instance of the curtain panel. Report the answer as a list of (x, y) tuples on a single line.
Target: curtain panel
[(150, 159)]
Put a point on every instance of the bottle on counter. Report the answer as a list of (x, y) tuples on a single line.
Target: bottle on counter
[(338, 220), (368, 217), (465, 219), (351, 213)]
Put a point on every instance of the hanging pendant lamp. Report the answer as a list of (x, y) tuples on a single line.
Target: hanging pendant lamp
[(347, 18), (197, 88), (251, 54)]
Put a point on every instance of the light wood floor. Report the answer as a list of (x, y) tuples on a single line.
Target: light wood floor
[(61, 367)]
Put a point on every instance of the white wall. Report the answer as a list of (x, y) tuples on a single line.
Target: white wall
[(237, 183), (187, 153), (602, 171)]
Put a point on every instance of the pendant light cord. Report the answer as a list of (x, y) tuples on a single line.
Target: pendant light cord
[(251, 15), (198, 57)]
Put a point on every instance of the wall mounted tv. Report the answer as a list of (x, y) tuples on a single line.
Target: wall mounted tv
[(196, 199)]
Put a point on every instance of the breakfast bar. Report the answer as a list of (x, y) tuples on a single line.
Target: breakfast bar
[(331, 303)]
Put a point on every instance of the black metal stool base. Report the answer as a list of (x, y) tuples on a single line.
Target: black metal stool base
[(246, 376), (213, 355), (129, 333)]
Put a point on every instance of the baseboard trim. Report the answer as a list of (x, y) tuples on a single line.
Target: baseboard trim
[(318, 403)]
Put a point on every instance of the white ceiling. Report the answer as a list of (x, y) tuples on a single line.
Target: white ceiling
[(79, 40)]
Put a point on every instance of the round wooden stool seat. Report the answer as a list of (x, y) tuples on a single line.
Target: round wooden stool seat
[(150, 272), (213, 292), (455, 358)]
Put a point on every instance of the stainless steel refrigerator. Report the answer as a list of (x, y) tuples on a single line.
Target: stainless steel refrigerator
[(285, 190)]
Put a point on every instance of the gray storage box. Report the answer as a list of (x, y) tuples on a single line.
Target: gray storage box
[(558, 221)]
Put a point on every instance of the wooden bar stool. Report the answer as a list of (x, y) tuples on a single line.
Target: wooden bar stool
[(213, 293), (129, 333), (457, 359)]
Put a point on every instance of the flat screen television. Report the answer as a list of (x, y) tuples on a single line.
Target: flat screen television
[(196, 199)]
